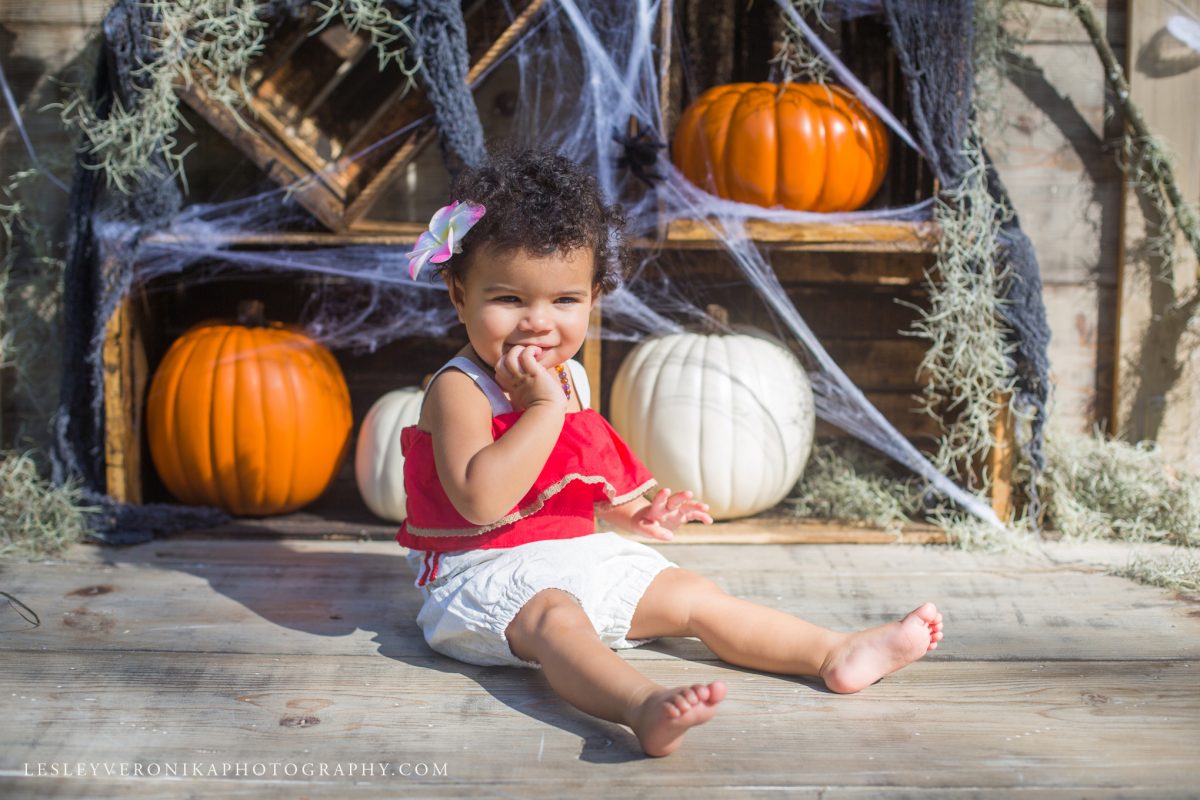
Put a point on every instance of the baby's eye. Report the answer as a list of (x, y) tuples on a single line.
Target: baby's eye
[(508, 298), (567, 300)]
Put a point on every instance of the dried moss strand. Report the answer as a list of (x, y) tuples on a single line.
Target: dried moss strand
[(1101, 488), (36, 518), (968, 358), (1179, 571), (373, 18), (796, 60), (847, 482), (210, 42)]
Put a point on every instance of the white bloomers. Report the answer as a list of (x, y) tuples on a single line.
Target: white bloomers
[(477, 593)]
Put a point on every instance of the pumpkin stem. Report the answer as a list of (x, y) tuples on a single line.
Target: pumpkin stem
[(252, 314), (718, 319)]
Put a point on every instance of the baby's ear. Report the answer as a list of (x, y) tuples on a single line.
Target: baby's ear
[(457, 292)]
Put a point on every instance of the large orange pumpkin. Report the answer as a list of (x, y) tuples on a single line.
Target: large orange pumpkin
[(253, 418), (806, 147)]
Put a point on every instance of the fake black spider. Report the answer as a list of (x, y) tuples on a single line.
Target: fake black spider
[(639, 151)]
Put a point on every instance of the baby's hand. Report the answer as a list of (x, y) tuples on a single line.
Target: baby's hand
[(667, 512), (526, 381)]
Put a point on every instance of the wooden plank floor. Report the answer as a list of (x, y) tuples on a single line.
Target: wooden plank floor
[(1054, 680)]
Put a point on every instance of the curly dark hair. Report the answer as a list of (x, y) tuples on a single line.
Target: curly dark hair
[(543, 203)]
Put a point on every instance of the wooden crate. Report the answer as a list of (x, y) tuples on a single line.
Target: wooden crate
[(159, 312), (318, 105), (714, 42), (826, 286), (855, 284)]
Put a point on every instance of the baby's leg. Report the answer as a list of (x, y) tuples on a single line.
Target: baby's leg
[(553, 630), (682, 603)]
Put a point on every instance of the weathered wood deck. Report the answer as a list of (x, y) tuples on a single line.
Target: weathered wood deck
[(1054, 680)]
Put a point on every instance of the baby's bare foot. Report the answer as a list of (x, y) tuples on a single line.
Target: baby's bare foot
[(665, 716), (867, 656)]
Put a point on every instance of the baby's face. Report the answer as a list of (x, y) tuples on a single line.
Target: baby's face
[(515, 298)]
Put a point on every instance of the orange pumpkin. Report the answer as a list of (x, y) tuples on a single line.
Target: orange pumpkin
[(806, 147), (253, 418)]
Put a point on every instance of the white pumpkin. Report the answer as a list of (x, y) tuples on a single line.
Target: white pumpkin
[(729, 416), (378, 462)]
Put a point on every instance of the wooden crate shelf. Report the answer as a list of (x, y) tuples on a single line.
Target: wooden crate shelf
[(858, 237), (881, 236)]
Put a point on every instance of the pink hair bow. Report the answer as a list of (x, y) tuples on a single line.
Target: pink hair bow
[(444, 237)]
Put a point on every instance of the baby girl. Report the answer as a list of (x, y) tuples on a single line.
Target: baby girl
[(508, 468)]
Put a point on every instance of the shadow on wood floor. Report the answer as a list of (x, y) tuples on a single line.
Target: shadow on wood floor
[(223, 659)]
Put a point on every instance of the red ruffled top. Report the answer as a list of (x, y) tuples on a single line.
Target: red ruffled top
[(590, 468)]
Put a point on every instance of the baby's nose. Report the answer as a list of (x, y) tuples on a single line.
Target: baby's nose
[(535, 319)]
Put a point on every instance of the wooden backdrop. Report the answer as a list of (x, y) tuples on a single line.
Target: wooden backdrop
[(1158, 347), (1052, 151)]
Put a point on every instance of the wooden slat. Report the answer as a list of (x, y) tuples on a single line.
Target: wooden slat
[(797, 267), (784, 530), (1156, 365), (395, 233), (348, 47), (1001, 461), (1054, 26), (59, 14), (298, 145), (874, 236), (412, 145), (880, 365), (348, 599), (21, 789), (401, 103), (901, 409), (814, 268), (125, 378), (277, 53), (1108, 725), (665, 43), (314, 190)]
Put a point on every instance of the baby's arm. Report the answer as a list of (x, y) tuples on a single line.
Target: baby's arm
[(660, 518), (485, 478)]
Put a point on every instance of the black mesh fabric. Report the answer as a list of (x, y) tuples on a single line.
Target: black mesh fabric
[(934, 41)]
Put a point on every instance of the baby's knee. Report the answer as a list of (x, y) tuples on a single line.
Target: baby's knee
[(692, 593), (547, 612)]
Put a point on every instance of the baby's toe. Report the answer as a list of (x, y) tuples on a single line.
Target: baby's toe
[(701, 692)]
